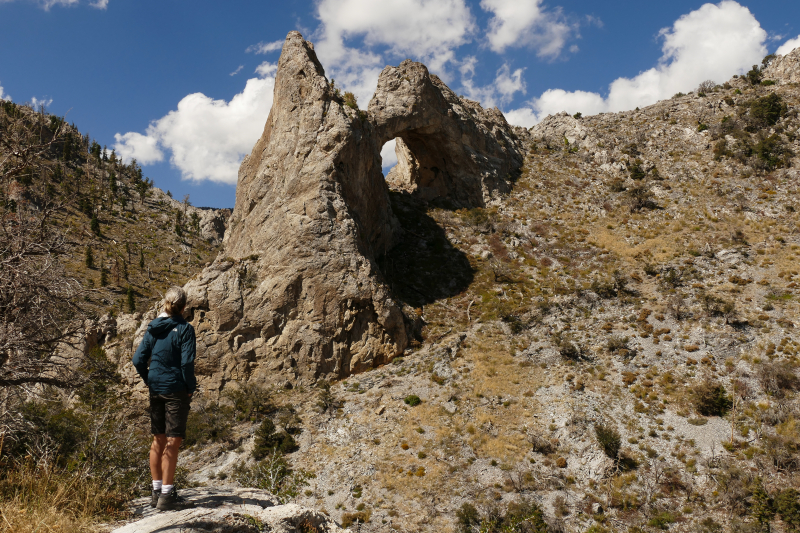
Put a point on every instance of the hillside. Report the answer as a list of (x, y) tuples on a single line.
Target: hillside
[(605, 340), (139, 237), (614, 339)]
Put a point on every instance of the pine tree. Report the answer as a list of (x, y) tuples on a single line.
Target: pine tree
[(95, 224), (112, 183), (131, 300), (103, 275), (141, 259), (761, 508), (89, 257)]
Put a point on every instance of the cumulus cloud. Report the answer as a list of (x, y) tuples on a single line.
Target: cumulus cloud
[(267, 69), (501, 91), (518, 23), (143, 148), (47, 4), (44, 102), (265, 48), (788, 46), (713, 42), (207, 138), (427, 30), (4, 96)]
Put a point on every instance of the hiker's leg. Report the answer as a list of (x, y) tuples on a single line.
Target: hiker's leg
[(169, 459), (156, 452)]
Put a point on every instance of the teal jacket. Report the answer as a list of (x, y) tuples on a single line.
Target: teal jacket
[(165, 357)]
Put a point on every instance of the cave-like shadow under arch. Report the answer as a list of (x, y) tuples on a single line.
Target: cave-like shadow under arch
[(423, 266)]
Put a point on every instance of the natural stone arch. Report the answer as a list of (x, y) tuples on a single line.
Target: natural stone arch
[(298, 292), (448, 148)]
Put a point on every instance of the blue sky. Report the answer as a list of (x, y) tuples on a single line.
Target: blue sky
[(185, 86)]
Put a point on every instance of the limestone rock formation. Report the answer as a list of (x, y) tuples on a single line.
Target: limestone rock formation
[(785, 69), (448, 147), (228, 511), (296, 292)]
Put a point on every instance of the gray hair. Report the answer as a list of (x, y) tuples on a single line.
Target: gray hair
[(174, 301)]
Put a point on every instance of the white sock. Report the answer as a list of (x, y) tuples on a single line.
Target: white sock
[(166, 489), (156, 485)]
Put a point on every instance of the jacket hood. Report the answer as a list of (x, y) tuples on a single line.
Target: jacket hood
[(162, 325)]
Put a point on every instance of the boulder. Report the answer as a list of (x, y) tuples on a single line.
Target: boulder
[(227, 511)]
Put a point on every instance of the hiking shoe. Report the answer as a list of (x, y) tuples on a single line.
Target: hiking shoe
[(154, 499), (172, 502)]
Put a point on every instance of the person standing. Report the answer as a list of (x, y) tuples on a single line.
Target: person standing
[(165, 361)]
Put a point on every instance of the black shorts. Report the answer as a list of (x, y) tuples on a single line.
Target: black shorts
[(168, 414)]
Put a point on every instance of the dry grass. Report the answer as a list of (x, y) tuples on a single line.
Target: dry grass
[(44, 498)]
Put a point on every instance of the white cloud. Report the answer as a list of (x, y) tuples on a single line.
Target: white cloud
[(4, 96), (788, 46), (36, 103), (264, 48), (100, 4), (427, 30), (388, 155), (134, 145), (237, 71), (518, 23), (714, 42), (267, 69), (501, 91), (207, 138), (47, 4)]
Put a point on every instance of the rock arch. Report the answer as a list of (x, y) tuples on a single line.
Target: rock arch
[(297, 292)]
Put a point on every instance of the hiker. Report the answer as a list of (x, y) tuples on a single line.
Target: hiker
[(165, 360)]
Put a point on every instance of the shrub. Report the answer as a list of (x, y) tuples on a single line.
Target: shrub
[(522, 517), (767, 110), (618, 345), (350, 100), (707, 86), (772, 152), (349, 519), (273, 474), (754, 75), (609, 440), (413, 400), (711, 399), (208, 423), (268, 440), (788, 507), (777, 378), (466, 518), (662, 520), (250, 401)]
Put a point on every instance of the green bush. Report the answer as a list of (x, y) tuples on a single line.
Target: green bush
[(522, 517), (711, 399), (413, 400), (268, 440), (662, 520), (350, 100), (609, 440), (208, 422), (273, 474), (788, 507), (767, 110)]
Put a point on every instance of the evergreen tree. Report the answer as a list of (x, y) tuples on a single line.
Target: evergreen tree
[(141, 259), (95, 224), (103, 275), (131, 300), (112, 183), (89, 257), (125, 270), (761, 508)]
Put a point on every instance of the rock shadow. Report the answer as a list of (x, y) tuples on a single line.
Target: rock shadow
[(423, 266)]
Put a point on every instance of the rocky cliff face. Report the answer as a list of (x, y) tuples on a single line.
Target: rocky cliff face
[(785, 69), (297, 292)]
